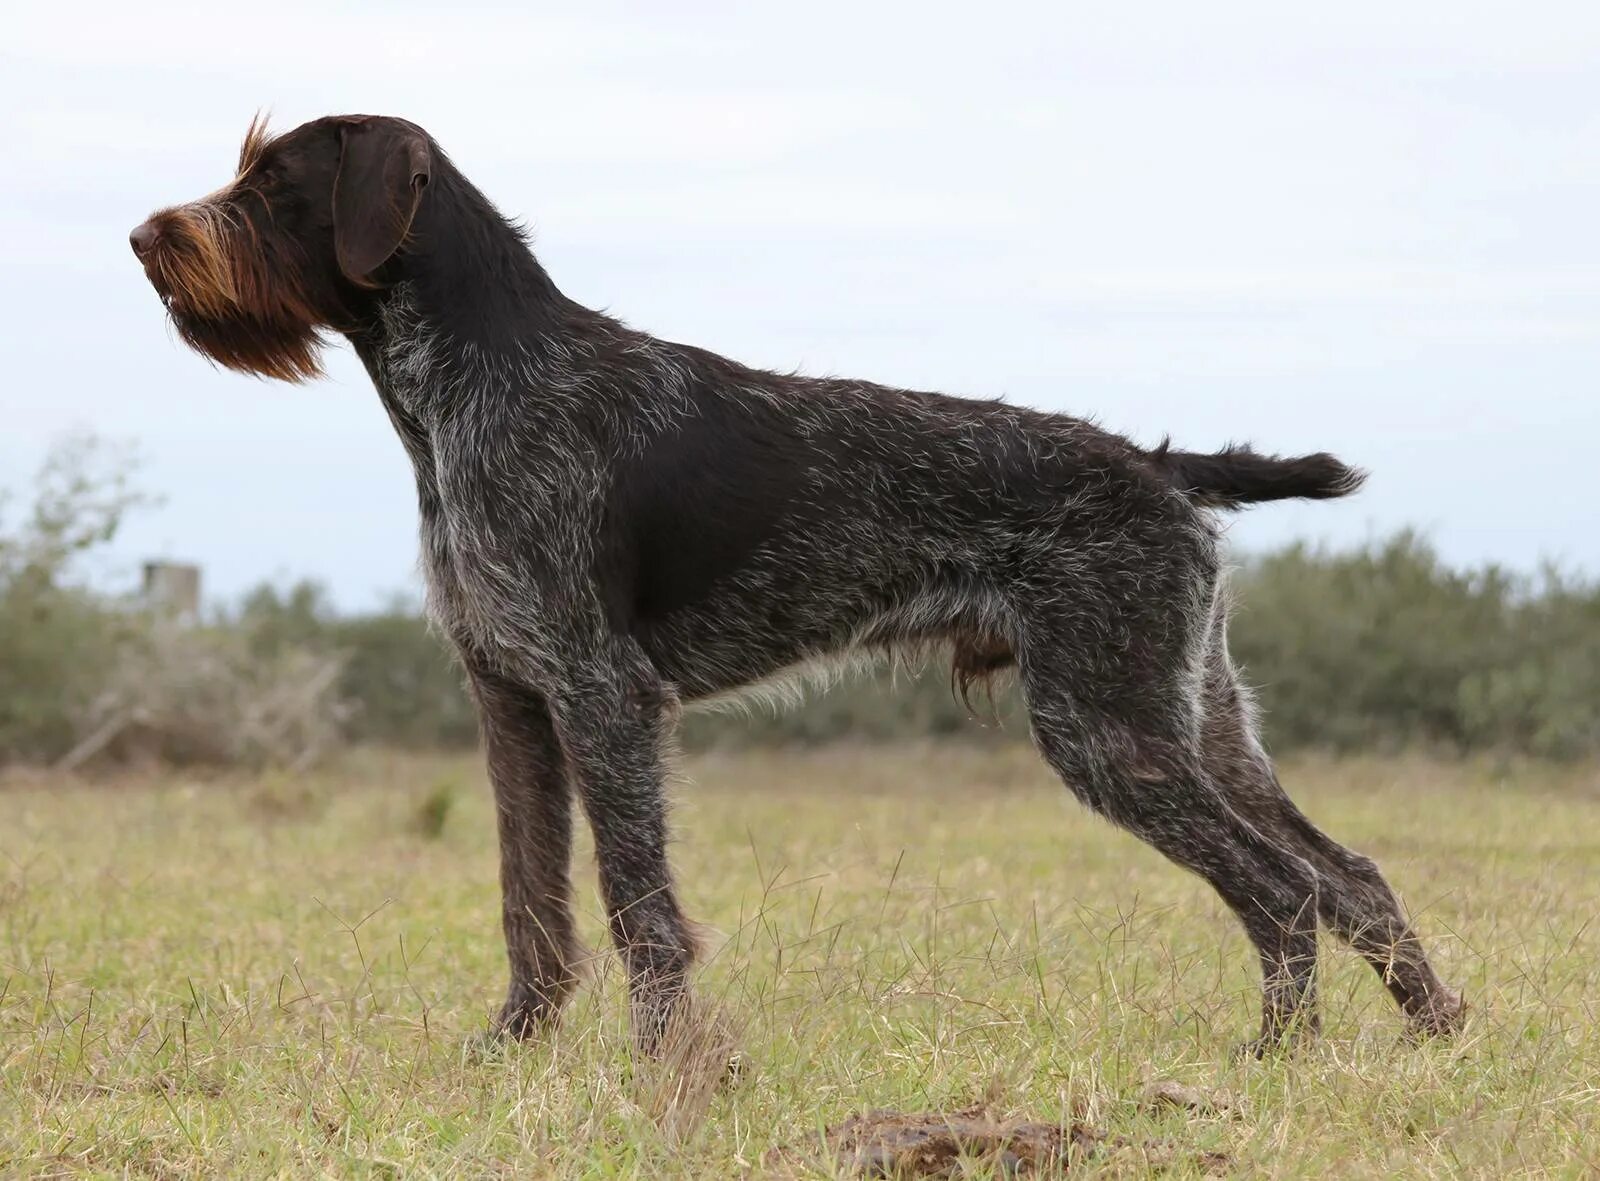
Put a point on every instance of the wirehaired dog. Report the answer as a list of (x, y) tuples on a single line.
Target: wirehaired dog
[(612, 524)]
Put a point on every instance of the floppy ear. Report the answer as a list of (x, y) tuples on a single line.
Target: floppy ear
[(383, 167)]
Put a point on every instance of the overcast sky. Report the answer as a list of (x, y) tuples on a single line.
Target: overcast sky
[(1366, 227)]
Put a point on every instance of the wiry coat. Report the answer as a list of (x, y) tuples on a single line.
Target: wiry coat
[(613, 524)]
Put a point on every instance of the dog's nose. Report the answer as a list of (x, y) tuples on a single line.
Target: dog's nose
[(143, 239)]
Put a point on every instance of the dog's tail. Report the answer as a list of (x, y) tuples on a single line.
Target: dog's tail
[(1237, 476)]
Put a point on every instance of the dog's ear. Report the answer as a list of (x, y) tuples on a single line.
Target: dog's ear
[(384, 165)]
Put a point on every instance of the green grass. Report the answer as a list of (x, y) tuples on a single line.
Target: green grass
[(284, 976)]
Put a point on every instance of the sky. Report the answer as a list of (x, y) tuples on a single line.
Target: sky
[(1371, 228)]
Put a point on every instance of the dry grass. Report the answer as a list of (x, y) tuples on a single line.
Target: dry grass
[(285, 977)]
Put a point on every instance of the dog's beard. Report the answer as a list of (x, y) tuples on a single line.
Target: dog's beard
[(287, 351), (224, 307)]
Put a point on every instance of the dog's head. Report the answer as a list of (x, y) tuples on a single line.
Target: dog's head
[(296, 243)]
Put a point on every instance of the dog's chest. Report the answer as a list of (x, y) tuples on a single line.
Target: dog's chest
[(471, 568), (403, 374)]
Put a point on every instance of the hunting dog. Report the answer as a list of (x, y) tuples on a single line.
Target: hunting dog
[(613, 524)]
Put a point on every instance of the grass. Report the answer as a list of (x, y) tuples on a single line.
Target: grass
[(284, 976)]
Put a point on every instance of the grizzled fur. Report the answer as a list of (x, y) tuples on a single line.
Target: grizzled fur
[(614, 524)]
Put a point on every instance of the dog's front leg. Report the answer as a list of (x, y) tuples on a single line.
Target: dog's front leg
[(612, 714), (533, 807)]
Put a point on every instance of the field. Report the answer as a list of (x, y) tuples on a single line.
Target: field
[(285, 976)]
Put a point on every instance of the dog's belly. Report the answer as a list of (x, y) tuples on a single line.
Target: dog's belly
[(749, 635), (701, 659)]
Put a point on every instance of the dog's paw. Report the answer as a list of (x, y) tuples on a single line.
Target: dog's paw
[(526, 1014), (1282, 1043), (1442, 1017)]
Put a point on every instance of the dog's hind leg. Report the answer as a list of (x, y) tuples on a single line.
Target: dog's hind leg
[(533, 808), (1126, 744), (1354, 900)]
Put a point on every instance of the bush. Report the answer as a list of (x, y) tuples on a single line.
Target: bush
[(86, 675), (403, 686), (1385, 646), (59, 641), (181, 694)]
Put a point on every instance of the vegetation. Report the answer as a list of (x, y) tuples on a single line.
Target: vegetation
[(283, 975), (1388, 647), (1381, 648), (60, 642), (213, 964)]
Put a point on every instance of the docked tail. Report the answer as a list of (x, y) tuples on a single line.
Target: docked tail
[(1237, 476)]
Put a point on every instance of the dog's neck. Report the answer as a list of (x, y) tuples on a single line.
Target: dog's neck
[(470, 313)]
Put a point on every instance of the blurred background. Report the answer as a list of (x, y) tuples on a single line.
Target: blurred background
[(1367, 229)]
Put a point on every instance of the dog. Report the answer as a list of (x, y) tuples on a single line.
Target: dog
[(613, 525)]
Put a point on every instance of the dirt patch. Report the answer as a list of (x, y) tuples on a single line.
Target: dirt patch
[(948, 1144)]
